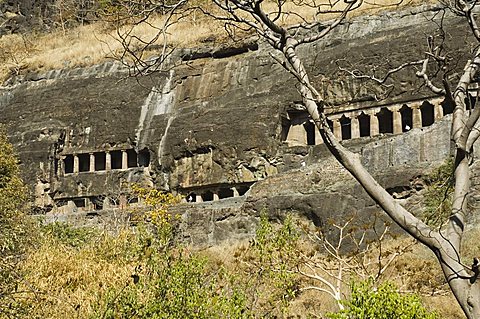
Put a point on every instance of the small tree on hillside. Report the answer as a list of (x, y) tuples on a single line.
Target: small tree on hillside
[(14, 227)]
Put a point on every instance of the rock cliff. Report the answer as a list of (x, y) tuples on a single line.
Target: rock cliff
[(224, 128)]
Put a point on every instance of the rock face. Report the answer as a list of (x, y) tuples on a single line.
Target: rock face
[(226, 129)]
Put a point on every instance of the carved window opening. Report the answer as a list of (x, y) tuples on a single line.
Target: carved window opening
[(364, 123), (407, 118), (144, 158), (225, 193), (116, 159), (447, 107), (242, 190), (310, 131), (68, 164), (346, 127), (428, 115), (207, 196), (97, 202), (100, 159), (191, 198), (79, 202), (131, 158), (83, 162), (385, 121), (61, 202)]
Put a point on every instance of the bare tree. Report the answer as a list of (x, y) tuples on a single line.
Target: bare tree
[(128, 15), (353, 253), (286, 39), (270, 20)]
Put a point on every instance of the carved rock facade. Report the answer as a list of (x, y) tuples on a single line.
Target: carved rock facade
[(226, 130)]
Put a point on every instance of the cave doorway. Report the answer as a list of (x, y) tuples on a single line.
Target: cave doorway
[(364, 123), (385, 121), (428, 115), (407, 118)]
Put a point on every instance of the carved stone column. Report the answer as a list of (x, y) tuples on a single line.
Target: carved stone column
[(438, 109), (198, 199), (337, 129), (215, 196), (397, 120), (318, 137), (124, 159), (417, 115), (61, 166), (75, 164), (355, 127), (235, 192), (297, 135), (108, 161), (374, 127), (92, 162)]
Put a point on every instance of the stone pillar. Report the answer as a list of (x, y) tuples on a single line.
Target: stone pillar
[(355, 127), (337, 129), (198, 199), (61, 166), (374, 127), (438, 109), (417, 115), (215, 196), (124, 159), (297, 135), (108, 161), (75, 164), (92, 162), (397, 120), (235, 192)]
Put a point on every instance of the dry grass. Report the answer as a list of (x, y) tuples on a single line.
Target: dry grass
[(69, 281), (66, 282), (92, 44)]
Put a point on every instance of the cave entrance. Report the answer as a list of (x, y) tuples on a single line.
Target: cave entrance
[(84, 162), (407, 118), (428, 115), (447, 107), (310, 131), (364, 123), (207, 196), (79, 202), (191, 198), (385, 121), (242, 189), (68, 164), (346, 127), (144, 158), (131, 158), (97, 202), (116, 159), (225, 193), (100, 159)]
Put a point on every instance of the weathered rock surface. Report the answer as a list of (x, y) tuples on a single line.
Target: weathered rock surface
[(214, 129)]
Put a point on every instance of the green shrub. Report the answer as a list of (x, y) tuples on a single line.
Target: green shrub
[(383, 302), (15, 228), (438, 196), (173, 284), (68, 235)]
